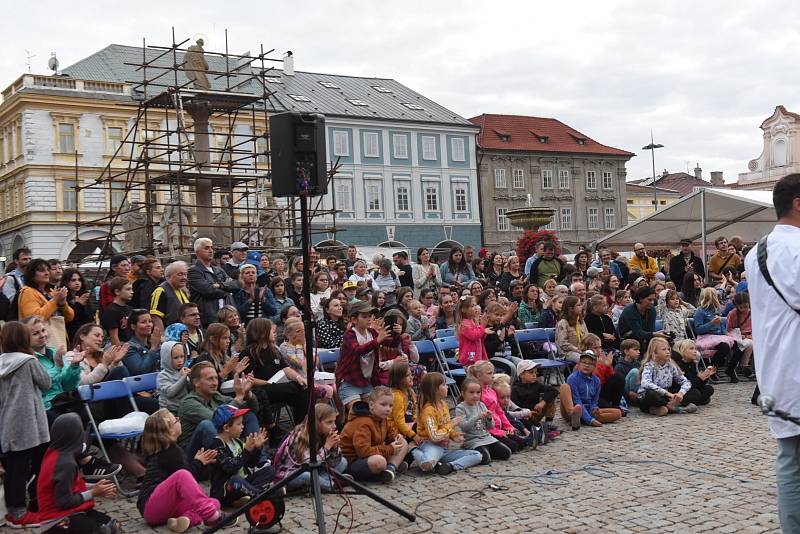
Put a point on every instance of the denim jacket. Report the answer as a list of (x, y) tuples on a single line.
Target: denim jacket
[(703, 324)]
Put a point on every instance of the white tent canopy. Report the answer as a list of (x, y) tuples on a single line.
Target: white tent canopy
[(701, 215)]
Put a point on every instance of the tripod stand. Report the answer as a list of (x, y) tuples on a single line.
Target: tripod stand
[(314, 465)]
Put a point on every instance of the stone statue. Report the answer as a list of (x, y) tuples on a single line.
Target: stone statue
[(176, 224), (270, 219), (195, 66), (134, 224), (222, 234)]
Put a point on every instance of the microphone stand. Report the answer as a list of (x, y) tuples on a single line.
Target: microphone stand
[(313, 466)]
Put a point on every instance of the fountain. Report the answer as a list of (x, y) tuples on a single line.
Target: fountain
[(530, 217)]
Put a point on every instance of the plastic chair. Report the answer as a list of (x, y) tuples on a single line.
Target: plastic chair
[(445, 332), (328, 358), (440, 347), (447, 344), (104, 391), (138, 383), (543, 335), (531, 325), (659, 325)]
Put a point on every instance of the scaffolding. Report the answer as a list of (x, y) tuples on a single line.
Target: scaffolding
[(168, 183)]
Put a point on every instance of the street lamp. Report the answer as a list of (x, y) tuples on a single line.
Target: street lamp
[(652, 148)]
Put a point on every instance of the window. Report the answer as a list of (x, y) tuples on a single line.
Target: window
[(343, 195), (519, 179), (432, 197), (66, 137), (779, 153), (400, 146), (299, 98), (610, 219), (502, 220), (402, 197), (117, 195), (381, 89), (374, 196), (563, 179), (551, 225), (594, 219), (608, 180), (371, 148), (457, 149), (329, 85), (428, 147), (591, 180), (547, 179), (261, 149), (114, 139), (68, 200), (460, 198), (341, 143), (356, 102), (566, 218), (409, 105), (500, 178)]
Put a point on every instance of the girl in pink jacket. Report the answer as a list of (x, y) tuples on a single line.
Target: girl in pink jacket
[(503, 430), (470, 331)]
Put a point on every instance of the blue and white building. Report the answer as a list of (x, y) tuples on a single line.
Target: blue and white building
[(407, 165)]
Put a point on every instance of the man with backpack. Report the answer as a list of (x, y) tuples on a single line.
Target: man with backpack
[(16, 278)]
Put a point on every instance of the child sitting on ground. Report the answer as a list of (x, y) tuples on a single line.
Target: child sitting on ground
[(659, 374), (611, 385), (540, 399), (503, 430), (404, 403), (580, 395), (436, 429), (173, 379), (370, 451), (294, 451), (475, 421), (169, 493), (628, 368), (470, 331), (520, 418), (420, 325), (235, 475), (66, 504), (685, 353)]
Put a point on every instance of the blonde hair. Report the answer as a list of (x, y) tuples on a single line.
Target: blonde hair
[(157, 434), (549, 282), (483, 365), (501, 381), (649, 355), (588, 341), (683, 344), (290, 325), (708, 299)]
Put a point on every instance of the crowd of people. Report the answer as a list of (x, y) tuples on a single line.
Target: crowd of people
[(227, 337)]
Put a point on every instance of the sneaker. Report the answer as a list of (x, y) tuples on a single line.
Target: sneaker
[(575, 420), (444, 469), (387, 477), (178, 524), (401, 468), (222, 519), (746, 372), (98, 469), (690, 408), (241, 501), (27, 520)]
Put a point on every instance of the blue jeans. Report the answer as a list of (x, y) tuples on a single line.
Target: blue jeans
[(458, 458), (632, 381), (325, 480), (204, 434), (787, 467)]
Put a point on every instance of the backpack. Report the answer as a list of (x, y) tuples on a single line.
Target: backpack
[(13, 310)]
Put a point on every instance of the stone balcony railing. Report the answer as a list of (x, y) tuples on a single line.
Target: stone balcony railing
[(65, 83)]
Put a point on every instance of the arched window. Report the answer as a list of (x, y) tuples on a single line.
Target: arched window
[(779, 153)]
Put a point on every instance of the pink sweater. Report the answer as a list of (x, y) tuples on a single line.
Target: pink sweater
[(501, 422), (746, 326), (470, 339)]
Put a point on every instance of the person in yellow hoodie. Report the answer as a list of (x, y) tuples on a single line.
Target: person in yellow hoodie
[(642, 262), (401, 381)]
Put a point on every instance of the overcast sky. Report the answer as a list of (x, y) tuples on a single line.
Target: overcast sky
[(702, 75)]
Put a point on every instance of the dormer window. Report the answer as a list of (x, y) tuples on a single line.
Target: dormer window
[(581, 141), (543, 139), (505, 138)]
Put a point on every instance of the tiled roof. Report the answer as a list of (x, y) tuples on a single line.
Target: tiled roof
[(682, 182), (537, 134), (637, 188), (339, 96)]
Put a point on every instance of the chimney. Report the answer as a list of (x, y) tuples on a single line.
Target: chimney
[(665, 173), (288, 64), (698, 172), (716, 179)]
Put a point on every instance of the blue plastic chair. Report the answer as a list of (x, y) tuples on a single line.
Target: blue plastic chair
[(445, 332), (328, 358), (547, 365), (451, 373), (135, 384), (659, 325), (528, 326), (443, 345)]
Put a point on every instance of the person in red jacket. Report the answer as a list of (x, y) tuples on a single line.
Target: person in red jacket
[(66, 504), (612, 386)]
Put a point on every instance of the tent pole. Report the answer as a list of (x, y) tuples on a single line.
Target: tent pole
[(703, 229)]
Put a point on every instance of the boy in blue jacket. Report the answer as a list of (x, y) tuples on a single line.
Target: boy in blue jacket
[(579, 396)]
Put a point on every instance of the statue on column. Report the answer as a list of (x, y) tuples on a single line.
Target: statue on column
[(134, 224), (176, 225), (222, 233), (195, 66), (270, 220)]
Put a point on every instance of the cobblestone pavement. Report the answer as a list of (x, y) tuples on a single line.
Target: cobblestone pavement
[(709, 471)]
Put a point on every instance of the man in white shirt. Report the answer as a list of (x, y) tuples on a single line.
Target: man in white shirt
[(776, 332)]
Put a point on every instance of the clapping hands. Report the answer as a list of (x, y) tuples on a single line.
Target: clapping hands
[(256, 440), (206, 456)]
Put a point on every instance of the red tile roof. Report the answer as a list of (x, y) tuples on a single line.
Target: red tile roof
[(526, 134), (682, 182)]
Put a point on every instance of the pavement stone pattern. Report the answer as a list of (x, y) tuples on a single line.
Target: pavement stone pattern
[(703, 472)]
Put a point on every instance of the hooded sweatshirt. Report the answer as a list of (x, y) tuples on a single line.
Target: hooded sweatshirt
[(60, 487), (172, 384), (64, 378), (365, 435), (23, 421)]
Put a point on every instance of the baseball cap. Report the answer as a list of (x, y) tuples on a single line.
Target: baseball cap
[(526, 365), (589, 354), (226, 412), (359, 307), (137, 258), (349, 285), (364, 291), (238, 245), (686, 241)]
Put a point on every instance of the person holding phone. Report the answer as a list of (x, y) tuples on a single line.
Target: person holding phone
[(712, 339)]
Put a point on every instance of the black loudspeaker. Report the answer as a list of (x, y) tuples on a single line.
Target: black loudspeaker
[(297, 154)]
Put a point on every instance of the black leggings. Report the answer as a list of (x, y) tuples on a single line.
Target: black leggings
[(611, 392), (19, 466), (289, 393), (652, 399), (494, 451), (88, 522), (698, 397), (514, 443)]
